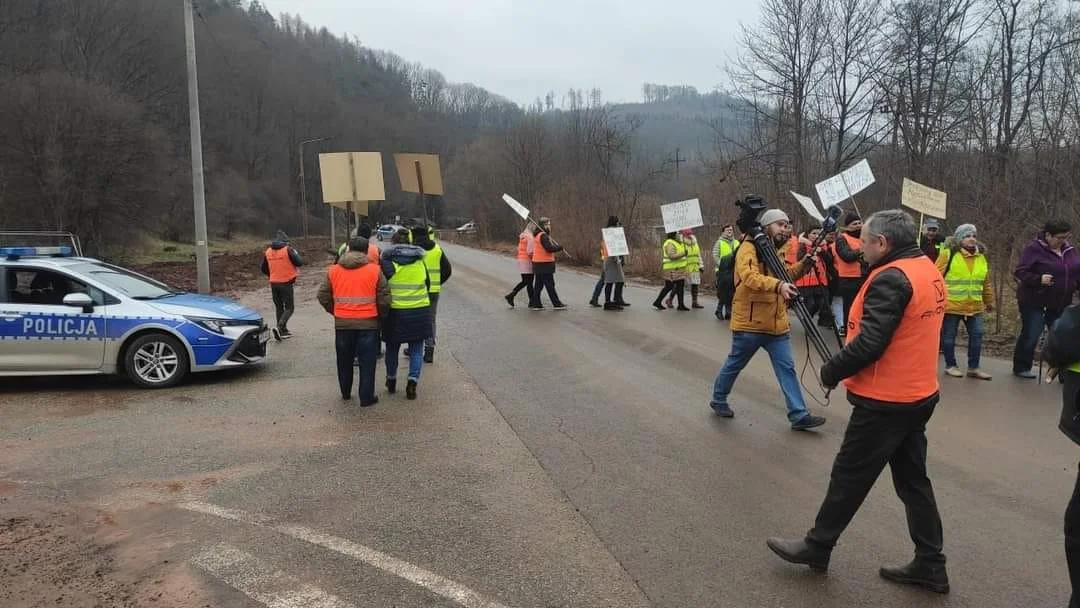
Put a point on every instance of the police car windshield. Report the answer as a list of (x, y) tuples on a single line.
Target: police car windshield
[(134, 286)]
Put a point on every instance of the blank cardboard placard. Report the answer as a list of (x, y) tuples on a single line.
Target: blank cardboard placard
[(516, 206), (808, 204), (615, 240), (429, 172), (923, 199), (351, 177), (682, 215), (358, 207)]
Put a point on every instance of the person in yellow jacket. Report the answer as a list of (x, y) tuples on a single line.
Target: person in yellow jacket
[(970, 294), (759, 320), (694, 266), (673, 253)]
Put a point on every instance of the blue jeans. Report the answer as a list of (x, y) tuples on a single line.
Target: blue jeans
[(1032, 320), (599, 287), (416, 359), (951, 327), (362, 346), (743, 346)]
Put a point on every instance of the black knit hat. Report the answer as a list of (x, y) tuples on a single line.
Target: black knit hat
[(850, 217)]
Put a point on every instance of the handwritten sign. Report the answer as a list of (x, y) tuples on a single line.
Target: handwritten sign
[(808, 204), (843, 186), (923, 199), (682, 215), (615, 239), (516, 206)]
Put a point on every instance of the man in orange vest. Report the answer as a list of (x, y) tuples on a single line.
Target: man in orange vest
[(850, 268), (280, 263), (814, 285), (889, 367), (357, 294)]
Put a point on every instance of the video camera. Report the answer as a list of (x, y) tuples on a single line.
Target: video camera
[(752, 206)]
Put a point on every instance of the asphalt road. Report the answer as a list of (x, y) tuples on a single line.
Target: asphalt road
[(553, 459)]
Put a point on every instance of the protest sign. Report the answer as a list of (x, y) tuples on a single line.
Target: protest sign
[(682, 215), (615, 239)]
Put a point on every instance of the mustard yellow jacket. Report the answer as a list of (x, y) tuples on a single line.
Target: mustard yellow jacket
[(757, 306)]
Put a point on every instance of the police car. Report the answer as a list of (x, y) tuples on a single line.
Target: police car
[(61, 314)]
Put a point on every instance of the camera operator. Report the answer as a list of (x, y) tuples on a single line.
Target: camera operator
[(760, 320)]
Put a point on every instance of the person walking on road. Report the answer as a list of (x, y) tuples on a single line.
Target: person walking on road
[(409, 321), (526, 242), (850, 269), (594, 300), (889, 367), (363, 230), (280, 264), (1063, 354), (932, 243), (439, 271), (613, 275), (675, 262), (967, 278), (543, 259), (1049, 275), (724, 256), (760, 320), (356, 293), (695, 264)]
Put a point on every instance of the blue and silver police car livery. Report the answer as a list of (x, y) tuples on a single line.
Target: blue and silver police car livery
[(72, 315)]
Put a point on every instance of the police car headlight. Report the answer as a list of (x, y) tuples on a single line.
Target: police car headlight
[(216, 325)]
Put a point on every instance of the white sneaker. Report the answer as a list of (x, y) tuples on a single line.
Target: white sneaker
[(954, 372)]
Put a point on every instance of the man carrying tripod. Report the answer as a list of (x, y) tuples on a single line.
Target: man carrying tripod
[(759, 319)]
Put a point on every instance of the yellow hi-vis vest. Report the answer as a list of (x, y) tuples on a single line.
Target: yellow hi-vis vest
[(408, 286), (966, 285), (433, 261), (693, 257), (678, 264)]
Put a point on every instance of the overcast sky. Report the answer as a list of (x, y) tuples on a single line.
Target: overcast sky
[(522, 48)]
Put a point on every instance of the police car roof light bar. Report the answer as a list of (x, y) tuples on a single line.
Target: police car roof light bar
[(15, 253), (43, 240)]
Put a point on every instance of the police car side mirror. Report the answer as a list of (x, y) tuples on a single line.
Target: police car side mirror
[(79, 300)]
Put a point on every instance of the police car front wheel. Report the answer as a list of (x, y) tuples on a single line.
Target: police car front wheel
[(156, 361)]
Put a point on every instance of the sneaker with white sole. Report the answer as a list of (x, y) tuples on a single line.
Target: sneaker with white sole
[(954, 372), (978, 374)]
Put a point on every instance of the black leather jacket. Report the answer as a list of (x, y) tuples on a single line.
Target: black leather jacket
[(886, 298), (1063, 350)]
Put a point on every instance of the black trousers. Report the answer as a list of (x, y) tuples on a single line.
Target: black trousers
[(282, 294), (526, 283), (544, 281), (873, 439), (1072, 543), (725, 292), (675, 289), (818, 304), (357, 345)]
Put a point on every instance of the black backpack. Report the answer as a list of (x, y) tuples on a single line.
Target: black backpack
[(1063, 343)]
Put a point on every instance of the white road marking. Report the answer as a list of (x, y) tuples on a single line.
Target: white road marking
[(434, 583), (259, 581)]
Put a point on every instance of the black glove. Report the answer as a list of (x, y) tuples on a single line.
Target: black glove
[(827, 379)]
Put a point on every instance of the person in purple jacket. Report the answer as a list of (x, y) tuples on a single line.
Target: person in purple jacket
[(1049, 276)]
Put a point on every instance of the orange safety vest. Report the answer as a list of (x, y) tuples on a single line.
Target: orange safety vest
[(523, 246), (354, 291), (907, 370), (844, 269), (373, 253), (541, 255), (816, 277), (281, 267)]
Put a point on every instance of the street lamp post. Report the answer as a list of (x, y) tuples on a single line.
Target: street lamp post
[(303, 186)]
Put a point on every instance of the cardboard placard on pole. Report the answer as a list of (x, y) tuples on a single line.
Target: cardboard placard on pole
[(419, 173), (682, 215), (923, 199), (845, 185), (351, 177), (615, 240), (808, 204)]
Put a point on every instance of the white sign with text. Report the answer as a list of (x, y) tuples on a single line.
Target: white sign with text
[(615, 240), (845, 185), (682, 215)]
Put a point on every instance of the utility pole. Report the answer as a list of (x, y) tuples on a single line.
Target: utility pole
[(202, 248), (303, 186)]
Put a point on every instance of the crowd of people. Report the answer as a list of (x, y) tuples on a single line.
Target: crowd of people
[(376, 296)]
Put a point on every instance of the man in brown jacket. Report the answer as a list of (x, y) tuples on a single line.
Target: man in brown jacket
[(357, 294), (759, 319)]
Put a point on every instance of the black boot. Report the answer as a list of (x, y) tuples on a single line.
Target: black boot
[(694, 297), (930, 576), (429, 354), (391, 386), (410, 390), (799, 551)]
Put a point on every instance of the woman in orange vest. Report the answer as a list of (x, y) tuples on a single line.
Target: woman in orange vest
[(850, 268), (814, 285), (525, 265), (889, 367), (357, 294), (543, 259), (280, 262)]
